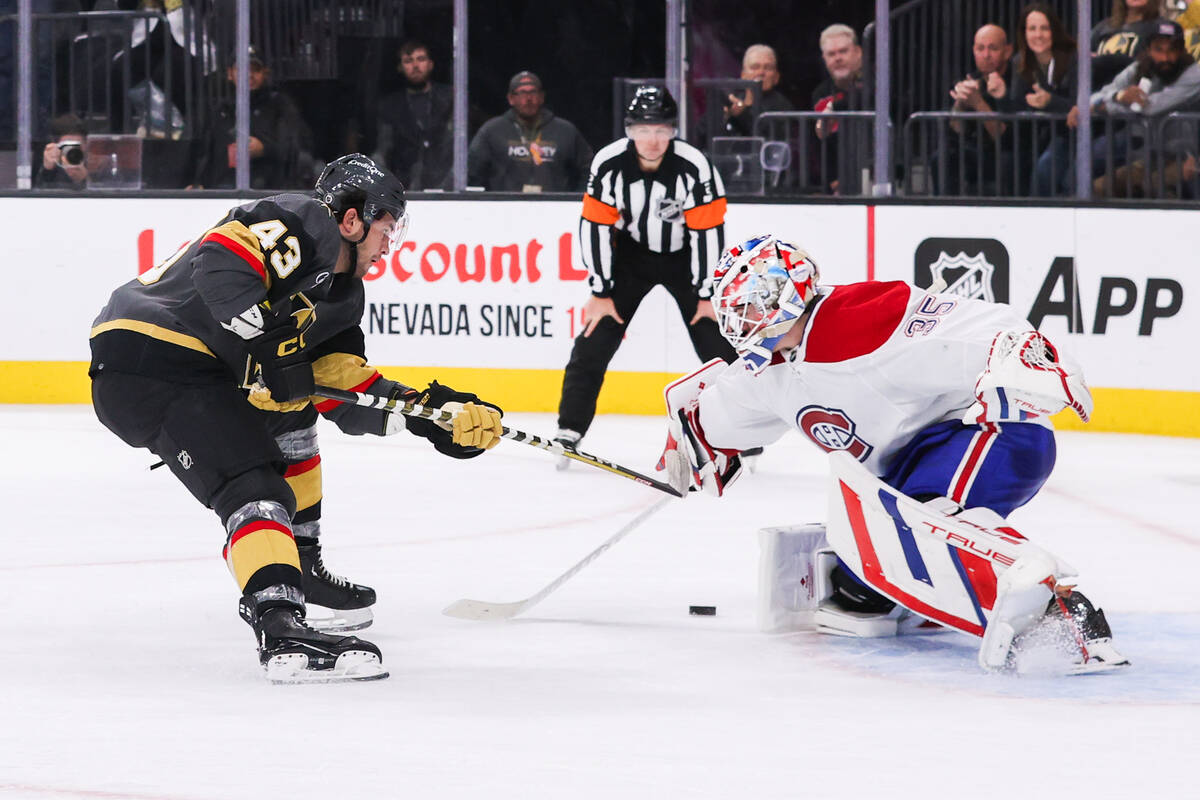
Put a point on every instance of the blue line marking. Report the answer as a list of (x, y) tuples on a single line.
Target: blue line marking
[(916, 564)]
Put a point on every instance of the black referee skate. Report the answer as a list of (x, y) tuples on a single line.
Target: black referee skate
[(344, 606), (292, 652), (567, 438)]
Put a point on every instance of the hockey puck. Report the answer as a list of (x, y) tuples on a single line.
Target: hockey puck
[(702, 611)]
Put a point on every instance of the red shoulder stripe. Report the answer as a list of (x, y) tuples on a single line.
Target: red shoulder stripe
[(253, 259), (856, 319)]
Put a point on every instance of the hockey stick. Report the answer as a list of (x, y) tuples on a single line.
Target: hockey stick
[(479, 610), (397, 406)]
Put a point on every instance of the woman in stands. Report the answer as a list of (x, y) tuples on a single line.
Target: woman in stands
[(1044, 79), (1119, 39)]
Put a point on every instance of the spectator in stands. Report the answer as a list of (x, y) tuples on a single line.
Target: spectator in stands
[(842, 155), (277, 137), (759, 64), (1044, 79), (528, 148), (1121, 38), (64, 160), (1164, 78), (1189, 20), (416, 124), (986, 161)]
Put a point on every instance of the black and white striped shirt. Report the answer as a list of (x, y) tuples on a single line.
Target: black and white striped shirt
[(681, 206)]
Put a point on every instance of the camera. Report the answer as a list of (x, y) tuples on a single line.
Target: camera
[(70, 154)]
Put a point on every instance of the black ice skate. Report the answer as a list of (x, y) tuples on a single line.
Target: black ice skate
[(343, 605), (1073, 637), (567, 438), (292, 652), (1091, 632)]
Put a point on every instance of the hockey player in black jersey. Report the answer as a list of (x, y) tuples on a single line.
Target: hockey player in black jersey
[(208, 360)]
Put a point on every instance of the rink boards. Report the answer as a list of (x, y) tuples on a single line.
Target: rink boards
[(487, 294)]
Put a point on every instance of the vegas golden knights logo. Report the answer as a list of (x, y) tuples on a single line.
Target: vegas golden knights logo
[(305, 314)]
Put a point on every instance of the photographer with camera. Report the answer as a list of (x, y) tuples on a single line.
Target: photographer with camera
[(64, 160)]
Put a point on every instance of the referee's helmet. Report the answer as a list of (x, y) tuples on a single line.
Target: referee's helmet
[(652, 105)]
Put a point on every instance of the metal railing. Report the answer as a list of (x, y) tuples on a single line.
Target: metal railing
[(1165, 168), (1032, 154), (711, 121), (124, 72), (829, 152), (299, 38)]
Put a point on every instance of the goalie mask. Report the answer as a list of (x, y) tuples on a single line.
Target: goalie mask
[(762, 286)]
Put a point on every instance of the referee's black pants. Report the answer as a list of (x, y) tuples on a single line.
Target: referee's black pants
[(635, 272)]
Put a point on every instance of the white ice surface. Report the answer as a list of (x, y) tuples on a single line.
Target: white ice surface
[(126, 672)]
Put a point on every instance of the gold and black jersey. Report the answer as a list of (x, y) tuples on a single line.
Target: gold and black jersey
[(678, 208), (166, 323)]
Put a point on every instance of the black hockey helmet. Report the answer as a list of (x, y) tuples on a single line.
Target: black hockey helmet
[(652, 105), (355, 181)]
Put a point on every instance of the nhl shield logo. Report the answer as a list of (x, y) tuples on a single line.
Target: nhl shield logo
[(185, 459), (965, 276), (669, 210), (976, 268)]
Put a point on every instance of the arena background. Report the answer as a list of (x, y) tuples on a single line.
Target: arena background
[(487, 293)]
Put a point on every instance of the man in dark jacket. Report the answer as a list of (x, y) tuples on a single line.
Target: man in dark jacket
[(980, 158), (416, 124), (843, 145), (527, 148), (276, 135), (758, 64)]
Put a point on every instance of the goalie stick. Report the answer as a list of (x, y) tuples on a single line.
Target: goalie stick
[(480, 610), (396, 406)]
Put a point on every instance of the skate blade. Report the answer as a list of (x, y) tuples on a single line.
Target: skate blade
[(562, 463), (338, 620), (1095, 667), (352, 665)]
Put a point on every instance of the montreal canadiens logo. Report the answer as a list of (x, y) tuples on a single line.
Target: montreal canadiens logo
[(832, 430)]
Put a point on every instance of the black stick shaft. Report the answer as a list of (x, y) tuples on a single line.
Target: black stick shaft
[(396, 406)]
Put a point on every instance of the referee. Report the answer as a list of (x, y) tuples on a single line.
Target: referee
[(653, 215)]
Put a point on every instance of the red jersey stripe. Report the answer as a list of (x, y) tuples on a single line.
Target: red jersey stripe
[(253, 259)]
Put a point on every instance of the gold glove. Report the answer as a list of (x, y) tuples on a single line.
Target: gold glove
[(260, 397), (477, 426)]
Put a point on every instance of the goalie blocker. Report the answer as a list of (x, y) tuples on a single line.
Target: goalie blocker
[(691, 463), (967, 572)]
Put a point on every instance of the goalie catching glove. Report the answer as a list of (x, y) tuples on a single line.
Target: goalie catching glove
[(692, 464), (474, 428), (1026, 377)]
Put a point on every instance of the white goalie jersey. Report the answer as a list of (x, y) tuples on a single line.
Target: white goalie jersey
[(878, 363)]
